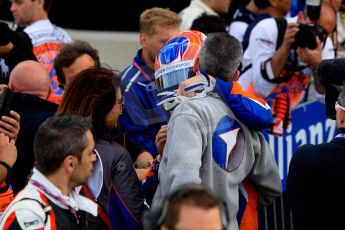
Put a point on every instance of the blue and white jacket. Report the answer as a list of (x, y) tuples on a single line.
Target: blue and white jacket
[(141, 118)]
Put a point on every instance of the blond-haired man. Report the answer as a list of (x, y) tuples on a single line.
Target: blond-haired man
[(142, 118)]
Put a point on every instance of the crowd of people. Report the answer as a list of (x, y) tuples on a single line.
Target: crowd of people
[(174, 140)]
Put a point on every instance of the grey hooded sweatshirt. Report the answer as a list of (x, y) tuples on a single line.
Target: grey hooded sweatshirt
[(208, 145)]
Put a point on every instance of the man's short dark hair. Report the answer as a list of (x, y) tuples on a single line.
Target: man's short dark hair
[(221, 55), (209, 24), (262, 4), (58, 137), (69, 53), (192, 196)]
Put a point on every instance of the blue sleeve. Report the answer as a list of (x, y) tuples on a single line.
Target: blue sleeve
[(142, 119), (252, 111), (138, 133)]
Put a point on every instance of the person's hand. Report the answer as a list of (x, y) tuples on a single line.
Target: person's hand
[(2, 86), (143, 164), (161, 138), (8, 150), (311, 57), (196, 79), (289, 36), (10, 125), (5, 49)]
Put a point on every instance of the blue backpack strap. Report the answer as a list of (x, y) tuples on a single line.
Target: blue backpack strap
[(243, 15), (251, 26)]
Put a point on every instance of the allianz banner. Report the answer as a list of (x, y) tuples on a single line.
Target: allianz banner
[(309, 125)]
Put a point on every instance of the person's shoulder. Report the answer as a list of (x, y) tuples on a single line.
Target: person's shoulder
[(29, 192), (61, 30), (62, 34), (266, 24), (309, 153), (265, 31), (127, 74), (28, 209), (127, 70), (317, 147), (185, 11), (25, 219), (111, 149), (198, 106), (43, 24), (192, 11)]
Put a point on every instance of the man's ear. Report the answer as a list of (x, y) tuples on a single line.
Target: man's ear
[(236, 75), (69, 163), (143, 40)]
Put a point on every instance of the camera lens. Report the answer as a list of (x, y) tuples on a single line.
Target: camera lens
[(305, 37)]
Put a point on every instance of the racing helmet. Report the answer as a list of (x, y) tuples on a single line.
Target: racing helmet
[(177, 59)]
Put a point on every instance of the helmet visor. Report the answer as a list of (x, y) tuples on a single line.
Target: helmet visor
[(171, 80)]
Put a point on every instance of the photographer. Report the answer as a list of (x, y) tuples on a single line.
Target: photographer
[(14, 48), (313, 57), (272, 68)]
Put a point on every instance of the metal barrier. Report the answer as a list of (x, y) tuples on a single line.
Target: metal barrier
[(310, 125), (277, 216)]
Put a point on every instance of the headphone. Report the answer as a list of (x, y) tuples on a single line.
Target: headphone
[(154, 218)]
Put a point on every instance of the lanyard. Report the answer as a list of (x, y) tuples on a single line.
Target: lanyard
[(58, 198), (146, 75)]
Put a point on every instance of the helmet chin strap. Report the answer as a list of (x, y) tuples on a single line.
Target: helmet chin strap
[(170, 99)]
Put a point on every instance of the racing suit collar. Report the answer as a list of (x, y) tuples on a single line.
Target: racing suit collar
[(140, 62), (73, 201)]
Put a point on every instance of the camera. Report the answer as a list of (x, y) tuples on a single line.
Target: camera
[(306, 36), (8, 101)]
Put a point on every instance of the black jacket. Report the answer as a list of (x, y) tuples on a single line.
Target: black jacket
[(121, 195), (316, 185), (33, 112)]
